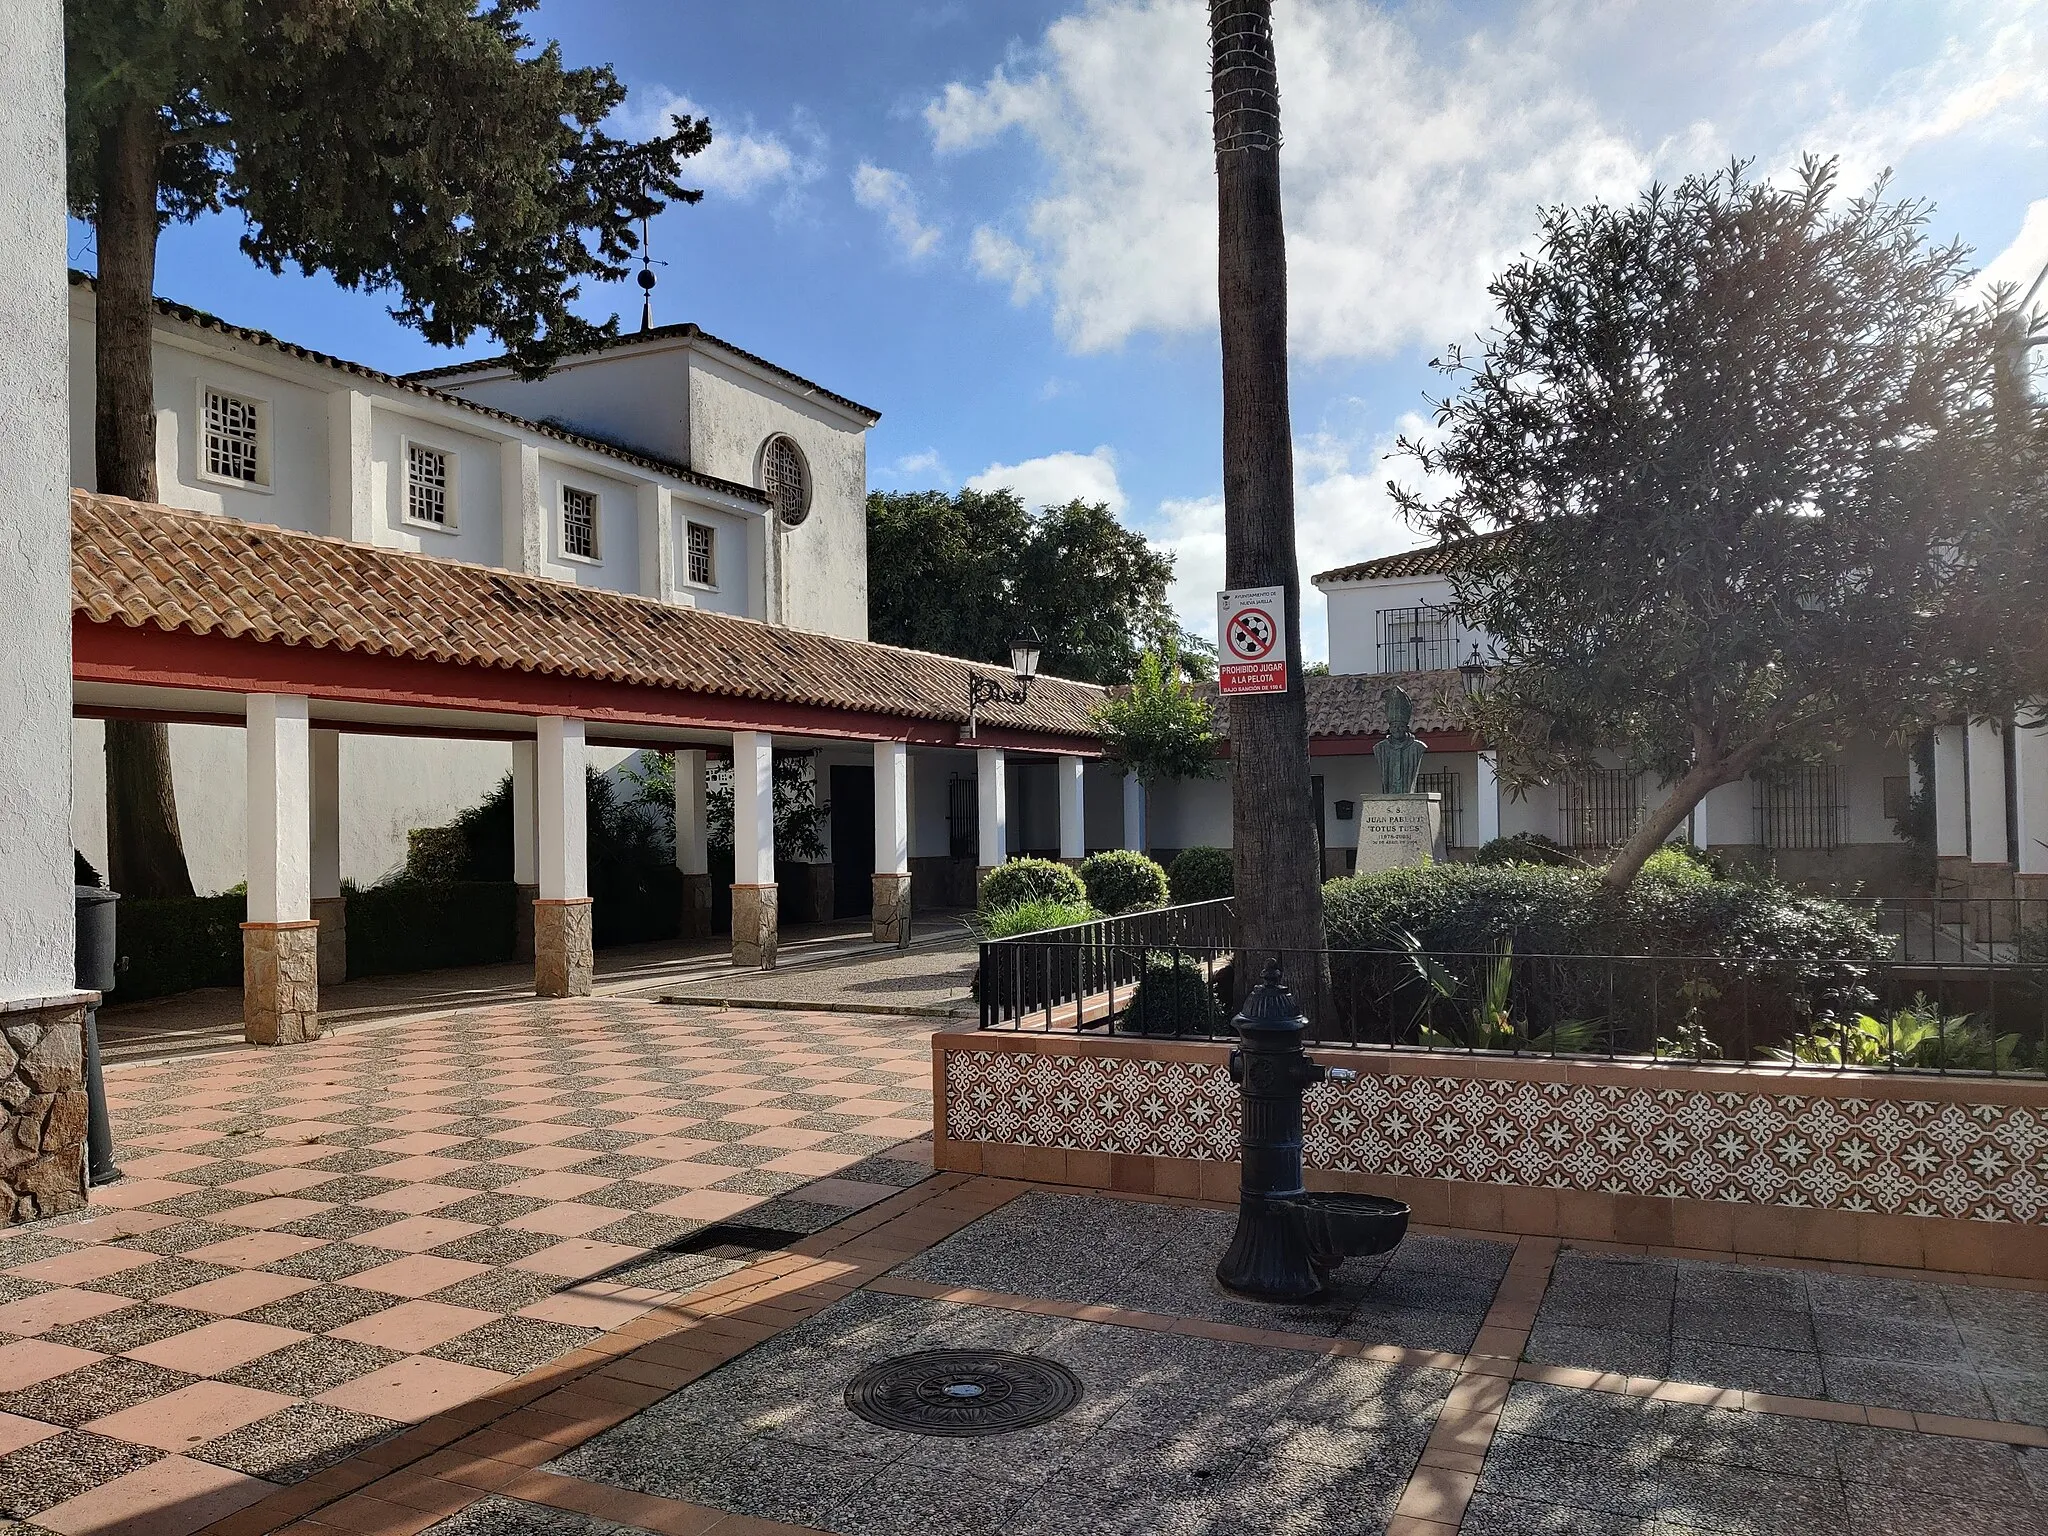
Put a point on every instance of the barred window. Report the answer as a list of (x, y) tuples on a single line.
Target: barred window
[(1449, 787), (1600, 808), (1416, 639), (1799, 808), (701, 568), (426, 485), (233, 433), (786, 480), (579, 523)]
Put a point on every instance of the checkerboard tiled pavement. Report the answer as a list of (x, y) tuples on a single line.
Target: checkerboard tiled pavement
[(315, 1247)]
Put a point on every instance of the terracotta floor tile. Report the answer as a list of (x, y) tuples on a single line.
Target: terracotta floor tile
[(255, 1249), (288, 1155), (131, 1192), (811, 1163), (237, 1293), (215, 1347), (540, 1134), (414, 1388), (896, 1125), (566, 1219), (788, 1137), (417, 1234), (274, 1212), (171, 1497), (30, 1315), (656, 1126), (83, 1266), (414, 1326), (15, 1432), (546, 1159), (111, 1226), (688, 1175), (582, 1309), (415, 1275), (557, 1185), (422, 1167), (281, 1181), (853, 1194), (191, 1415), (578, 1256), (707, 1205)]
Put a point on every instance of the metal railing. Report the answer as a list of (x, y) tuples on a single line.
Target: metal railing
[(1960, 929), (1976, 1016), (1420, 639)]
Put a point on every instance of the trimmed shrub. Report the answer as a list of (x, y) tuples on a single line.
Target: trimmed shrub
[(1036, 915), (407, 925), (1023, 880), (1035, 977), (1525, 848), (175, 943), (1678, 863), (1173, 998), (1201, 874), (1122, 881)]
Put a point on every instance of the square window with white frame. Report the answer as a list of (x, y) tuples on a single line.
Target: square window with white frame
[(429, 482), (231, 438), (702, 566), (579, 523)]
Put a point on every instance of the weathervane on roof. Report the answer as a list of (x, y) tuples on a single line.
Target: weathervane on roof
[(646, 279)]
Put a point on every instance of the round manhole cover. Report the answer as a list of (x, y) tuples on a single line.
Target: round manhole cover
[(965, 1393)]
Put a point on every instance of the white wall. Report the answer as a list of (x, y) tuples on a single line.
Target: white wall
[(35, 579), (736, 585), (1354, 626), (1189, 814), (633, 397), (475, 531)]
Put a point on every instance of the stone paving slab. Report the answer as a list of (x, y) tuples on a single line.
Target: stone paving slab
[(932, 978)]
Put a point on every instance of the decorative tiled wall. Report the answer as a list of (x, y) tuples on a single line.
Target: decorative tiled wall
[(1963, 1150)]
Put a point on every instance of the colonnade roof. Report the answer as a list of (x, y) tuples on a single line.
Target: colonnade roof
[(1350, 705), (313, 603)]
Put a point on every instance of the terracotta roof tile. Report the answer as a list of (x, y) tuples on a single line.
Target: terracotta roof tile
[(138, 564), (1348, 704), (1432, 560)]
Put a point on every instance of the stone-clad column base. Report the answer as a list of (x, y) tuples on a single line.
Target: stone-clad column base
[(280, 983), (892, 908), (331, 913), (754, 926), (2031, 888), (523, 898), (563, 959), (696, 906), (42, 1107)]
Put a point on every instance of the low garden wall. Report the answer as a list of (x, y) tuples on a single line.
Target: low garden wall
[(1930, 1172)]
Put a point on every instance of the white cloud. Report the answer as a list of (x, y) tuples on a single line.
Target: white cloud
[(927, 467), (1058, 478), (740, 162), (889, 193), (2020, 262), (1000, 259)]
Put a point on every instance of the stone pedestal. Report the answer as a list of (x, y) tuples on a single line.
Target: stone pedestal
[(563, 958), (1395, 831), (1951, 877), (331, 913), (892, 908), (696, 922), (523, 898), (754, 926), (42, 1106), (280, 983), (2031, 888)]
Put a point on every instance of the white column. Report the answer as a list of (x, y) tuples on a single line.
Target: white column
[(693, 850), (988, 783), (280, 810), (753, 808), (1134, 813), (892, 808), (326, 813), (1987, 793), (1951, 813), (564, 846), (1073, 824), (2030, 767), (522, 519), (351, 510), (525, 814), (657, 544), (1489, 797)]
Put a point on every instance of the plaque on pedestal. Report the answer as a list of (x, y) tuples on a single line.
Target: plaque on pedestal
[(1396, 831)]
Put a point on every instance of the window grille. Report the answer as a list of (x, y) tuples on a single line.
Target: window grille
[(1416, 639), (426, 485), (232, 437), (700, 566), (1600, 808), (1799, 808), (579, 522), (784, 479), (1446, 784), (963, 818)]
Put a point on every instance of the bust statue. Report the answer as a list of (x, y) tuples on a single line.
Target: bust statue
[(1399, 752)]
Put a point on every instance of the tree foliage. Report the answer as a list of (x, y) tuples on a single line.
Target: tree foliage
[(964, 574), (1159, 728), (422, 148), (1748, 451)]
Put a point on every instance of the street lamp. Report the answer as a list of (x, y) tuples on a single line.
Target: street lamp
[(987, 690), (1472, 673)]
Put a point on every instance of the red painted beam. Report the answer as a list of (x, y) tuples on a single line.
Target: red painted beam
[(149, 657)]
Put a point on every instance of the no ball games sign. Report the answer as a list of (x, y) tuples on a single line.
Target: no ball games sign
[(1251, 640)]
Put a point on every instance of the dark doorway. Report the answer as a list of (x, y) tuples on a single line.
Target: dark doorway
[(853, 841)]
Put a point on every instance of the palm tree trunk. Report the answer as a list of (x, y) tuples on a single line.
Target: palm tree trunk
[(1279, 883), (145, 854)]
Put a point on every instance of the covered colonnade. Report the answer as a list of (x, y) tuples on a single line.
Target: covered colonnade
[(183, 617)]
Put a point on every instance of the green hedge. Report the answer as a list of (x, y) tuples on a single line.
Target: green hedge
[(418, 925), (1022, 880), (1121, 881), (176, 943), (1201, 874)]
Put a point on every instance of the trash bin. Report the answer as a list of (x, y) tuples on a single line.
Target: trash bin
[(94, 971)]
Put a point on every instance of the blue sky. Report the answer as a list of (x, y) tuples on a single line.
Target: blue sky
[(993, 219)]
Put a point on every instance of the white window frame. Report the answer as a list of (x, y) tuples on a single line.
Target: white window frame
[(262, 482), (450, 497), (563, 487), (710, 532)]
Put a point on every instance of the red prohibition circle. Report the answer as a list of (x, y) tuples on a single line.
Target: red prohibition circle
[(1252, 634)]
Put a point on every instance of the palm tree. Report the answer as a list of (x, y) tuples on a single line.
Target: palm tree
[(1274, 843)]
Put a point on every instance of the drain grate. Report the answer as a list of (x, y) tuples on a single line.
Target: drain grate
[(963, 1393)]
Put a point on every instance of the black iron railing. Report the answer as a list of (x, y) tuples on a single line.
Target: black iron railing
[(1961, 929), (1091, 966)]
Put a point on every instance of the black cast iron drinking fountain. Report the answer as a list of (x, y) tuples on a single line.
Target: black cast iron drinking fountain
[(1288, 1239)]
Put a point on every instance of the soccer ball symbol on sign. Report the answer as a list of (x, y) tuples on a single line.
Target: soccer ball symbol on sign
[(1251, 634)]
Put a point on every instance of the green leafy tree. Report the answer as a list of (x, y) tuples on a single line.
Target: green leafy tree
[(964, 574), (1751, 456), (1159, 728), (425, 149)]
